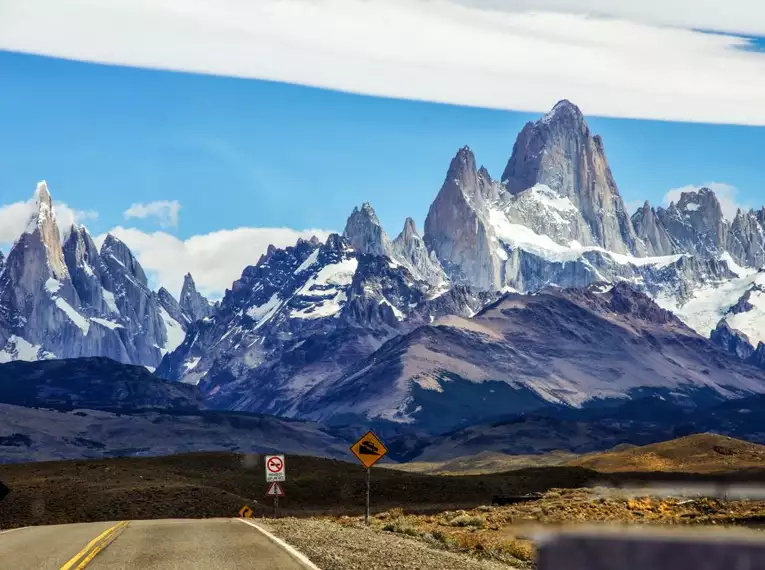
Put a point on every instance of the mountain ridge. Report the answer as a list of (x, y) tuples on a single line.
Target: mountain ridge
[(301, 322)]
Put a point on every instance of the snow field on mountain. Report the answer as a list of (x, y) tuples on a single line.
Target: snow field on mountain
[(328, 285)]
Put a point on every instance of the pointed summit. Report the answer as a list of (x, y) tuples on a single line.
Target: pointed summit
[(364, 232), (650, 229), (193, 304), (697, 223), (564, 110), (120, 259), (409, 231), (410, 249), (42, 222), (173, 308), (560, 152), (463, 172), (456, 227)]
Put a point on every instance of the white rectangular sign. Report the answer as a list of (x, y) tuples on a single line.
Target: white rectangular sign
[(275, 468)]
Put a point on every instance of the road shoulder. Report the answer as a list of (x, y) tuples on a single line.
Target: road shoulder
[(341, 547)]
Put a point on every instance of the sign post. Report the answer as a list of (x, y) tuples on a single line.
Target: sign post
[(275, 490), (369, 450), (275, 473)]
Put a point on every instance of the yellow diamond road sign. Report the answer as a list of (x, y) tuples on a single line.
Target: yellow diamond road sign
[(245, 512), (369, 449)]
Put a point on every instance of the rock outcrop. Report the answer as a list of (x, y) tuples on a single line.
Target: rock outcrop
[(560, 152), (457, 228), (193, 304), (651, 230)]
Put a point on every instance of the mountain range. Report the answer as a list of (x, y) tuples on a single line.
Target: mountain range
[(531, 291)]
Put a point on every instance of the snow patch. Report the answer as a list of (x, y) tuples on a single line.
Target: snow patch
[(322, 309), (18, 348), (109, 300), (751, 322), (52, 285), (549, 198), (523, 237), (191, 363), (327, 287), (82, 323), (329, 277), (262, 313), (399, 315), (711, 302), (310, 261), (173, 331), (104, 323), (735, 267)]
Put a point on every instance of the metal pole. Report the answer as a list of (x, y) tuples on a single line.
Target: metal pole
[(366, 511), (276, 506)]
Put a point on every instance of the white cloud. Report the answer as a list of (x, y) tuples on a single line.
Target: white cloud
[(14, 218), (165, 211), (739, 16), (215, 260), (488, 53), (726, 195)]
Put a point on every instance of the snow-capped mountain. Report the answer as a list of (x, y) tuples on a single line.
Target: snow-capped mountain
[(302, 314), (65, 300), (362, 324), (557, 218)]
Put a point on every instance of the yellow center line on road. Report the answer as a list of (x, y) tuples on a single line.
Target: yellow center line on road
[(87, 554)]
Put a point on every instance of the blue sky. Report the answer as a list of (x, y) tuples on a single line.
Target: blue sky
[(246, 153), (238, 152)]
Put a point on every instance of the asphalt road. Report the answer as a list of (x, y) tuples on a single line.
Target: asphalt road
[(211, 544)]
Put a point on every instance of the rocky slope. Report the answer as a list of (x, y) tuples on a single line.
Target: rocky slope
[(70, 299), (95, 383), (302, 314), (525, 352)]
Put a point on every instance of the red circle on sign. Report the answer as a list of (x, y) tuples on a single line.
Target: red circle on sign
[(275, 465)]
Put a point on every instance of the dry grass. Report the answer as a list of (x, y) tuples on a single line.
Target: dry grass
[(503, 534), (486, 463), (701, 453)]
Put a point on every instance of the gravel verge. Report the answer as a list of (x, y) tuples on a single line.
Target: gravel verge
[(332, 546)]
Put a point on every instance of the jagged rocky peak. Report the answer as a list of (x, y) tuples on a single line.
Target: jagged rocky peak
[(746, 240), (410, 249), (410, 230), (651, 230), (703, 200), (456, 228), (173, 308), (564, 111), (696, 222), (193, 304), (42, 223), (364, 232), (80, 251), (118, 257), (560, 152), (466, 176), (85, 267), (731, 339)]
